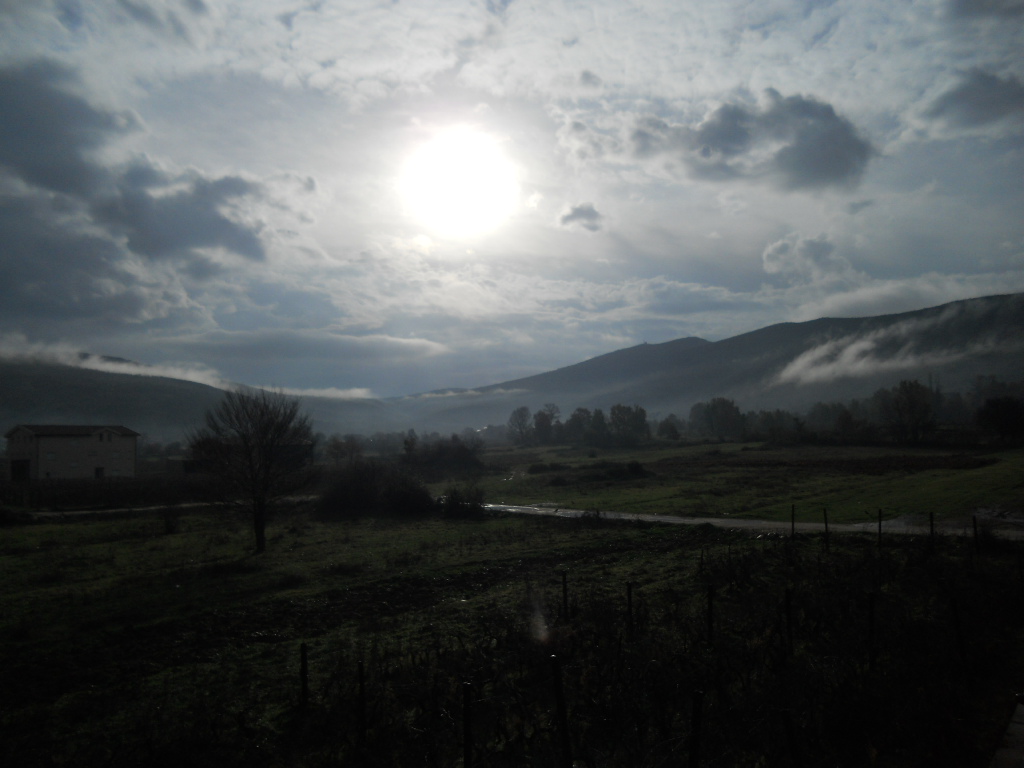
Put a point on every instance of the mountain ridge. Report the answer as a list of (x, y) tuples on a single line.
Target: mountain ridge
[(786, 365)]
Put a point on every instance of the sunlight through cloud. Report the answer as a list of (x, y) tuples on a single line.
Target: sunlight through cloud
[(459, 184)]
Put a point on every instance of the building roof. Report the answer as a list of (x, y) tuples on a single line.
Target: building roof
[(72, 430)]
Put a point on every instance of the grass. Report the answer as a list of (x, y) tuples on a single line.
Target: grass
[(176, 641), (134, 646), (758, 482)]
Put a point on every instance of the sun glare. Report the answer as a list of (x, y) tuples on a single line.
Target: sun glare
[(460, 184)]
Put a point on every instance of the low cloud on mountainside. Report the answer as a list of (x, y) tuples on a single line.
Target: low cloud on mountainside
[(916, 344), (16, 348)]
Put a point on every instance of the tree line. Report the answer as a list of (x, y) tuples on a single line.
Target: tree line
[(909, 413), (259, 446)]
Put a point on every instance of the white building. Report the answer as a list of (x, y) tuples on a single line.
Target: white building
[(60, 451)]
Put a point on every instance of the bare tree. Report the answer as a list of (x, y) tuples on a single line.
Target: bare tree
[(519, 425), (259, 447)]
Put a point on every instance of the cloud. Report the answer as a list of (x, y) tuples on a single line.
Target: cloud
[(980, 98), (47, 132), (332, 393), (795, 142), (55, 268), (182, 216), (910, 344), (980, 8), (584, 215), (16, 347), (49, 137), (808, 258), (860, 356), (287, 346)]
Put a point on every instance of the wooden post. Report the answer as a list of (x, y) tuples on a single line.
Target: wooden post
[(565, 744), (361, 706), (959, 630), (565, 595), (695, 728), (711, 614), (931, 529), (824, 512), (879, 530), (974, 521), (794, 745), (467, 725), (871, 630), (789, 620), (304, 672), (792, 521), (629, 605)]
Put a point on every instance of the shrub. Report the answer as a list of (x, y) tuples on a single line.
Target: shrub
[(461, 502), (372, 487)]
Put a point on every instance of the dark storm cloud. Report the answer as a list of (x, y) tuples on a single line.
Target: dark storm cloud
[(46, 131), (175, 224), (977, 8), (584, 215), (52, 271), (821, 148), (47, 137), (809, 146), (980, 98)]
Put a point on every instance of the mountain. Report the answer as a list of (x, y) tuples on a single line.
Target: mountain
[(788, 365)]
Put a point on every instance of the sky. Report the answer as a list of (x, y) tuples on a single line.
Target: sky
[(379, 199)]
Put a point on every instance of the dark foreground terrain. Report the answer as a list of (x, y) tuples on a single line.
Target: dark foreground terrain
[(155, 640)]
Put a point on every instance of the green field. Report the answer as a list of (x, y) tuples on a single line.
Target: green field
[(143, 641), (753, 481)]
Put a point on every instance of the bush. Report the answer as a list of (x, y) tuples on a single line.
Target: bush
[(461, 502), (370, 487)]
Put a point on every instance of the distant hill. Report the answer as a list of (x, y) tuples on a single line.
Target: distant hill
[(789, 365)]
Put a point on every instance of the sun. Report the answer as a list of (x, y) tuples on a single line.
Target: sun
[(460, 183)]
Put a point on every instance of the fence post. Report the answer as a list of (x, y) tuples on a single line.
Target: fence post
[(792, 521), (361, 706), (695, 728), (794, 745), (879, 530), (711, 614), (304, 672), (789, 620), (629, 605), (871, 630), (563, 715), (824, 512), (467, 725)]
